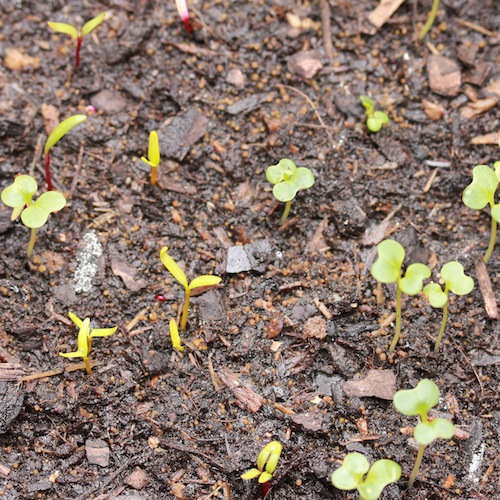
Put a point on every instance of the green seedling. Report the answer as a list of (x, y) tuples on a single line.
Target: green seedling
[(34, 214), (430, 20), (174, 336), (85, 336), (387, 269), (154, 155), (374, 119), (351, 475), (69, 29), (419, 401), (182, 9), (267, 461), (55, 136), (178, 274), (481, 192), (288, 180), (456, 281)]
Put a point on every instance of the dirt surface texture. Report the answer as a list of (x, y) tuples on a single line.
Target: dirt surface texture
[(292, 345)]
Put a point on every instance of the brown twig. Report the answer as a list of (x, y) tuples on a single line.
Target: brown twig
[(315, 109), (327, 29)]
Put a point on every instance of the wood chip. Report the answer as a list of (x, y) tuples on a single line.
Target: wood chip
[(314, 327), (491, 138), (383, 12), (50, 116), (138, 479), (317, 242), (432, 110), (126, 273), (305, 64), (246, 397), (444, 75), (483, 279), (474, 109), (377, 383), (18, 61), (309, 420), (97, 452)]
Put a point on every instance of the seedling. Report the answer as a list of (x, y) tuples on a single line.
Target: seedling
[(174, 335), (182, 9), (153, 154), (178, 274), (481, 192), (34, 214), (430, 20), (351, 475), (419, 401), (456, 281), (288, 179), (374, 119), (267, 461), (85, 336), (58, 133), (387, 269), (69, 29)]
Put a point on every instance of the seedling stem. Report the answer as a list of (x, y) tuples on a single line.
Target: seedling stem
[(286, 212), (416, 467), (493, 238), (397, 333), (430, 20)]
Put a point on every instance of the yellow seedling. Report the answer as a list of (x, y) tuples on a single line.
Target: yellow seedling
[(154, 155), (178, 274), (85, 336), (174, 335), (267, 461), (69, 29), (55, 136)]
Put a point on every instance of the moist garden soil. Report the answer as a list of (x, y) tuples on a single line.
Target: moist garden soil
[(297, 315)]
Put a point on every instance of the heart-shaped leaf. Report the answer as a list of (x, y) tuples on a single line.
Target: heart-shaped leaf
[(381, 473), (19, 194), (437, 297), (412, 282), (36, 215), (350, 474), (417, 401), (481, 190), (426, 432), (387, 268), (457, 281)]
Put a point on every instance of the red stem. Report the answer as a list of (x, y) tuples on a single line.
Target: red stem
[(265, 489), (187, 25), (79, 41), (48, 177)]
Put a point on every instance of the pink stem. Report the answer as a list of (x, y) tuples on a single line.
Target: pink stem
[(79, 41), (187, 25), (48, 177), (265, 489)]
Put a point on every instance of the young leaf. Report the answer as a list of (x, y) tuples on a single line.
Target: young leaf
[(455, 278), (251, 474), (67, 29), (61, 130), (19, 194), (93, 23), (367, 104), (350, 474), (153, 151), (173, 268), (174, 335), (435, 294), (269, 456), (482, 189), (412, 282), (205, 280), (283, 170), (417, 401), (387, 268), (426, 432), (265, 477), (381, 473), (36, 215)]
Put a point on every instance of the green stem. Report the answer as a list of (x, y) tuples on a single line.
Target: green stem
[(284, 217), (416, 467), (397, 333), (31, 243), (185, 310), (430, 20), (493, 238), (443, 324)]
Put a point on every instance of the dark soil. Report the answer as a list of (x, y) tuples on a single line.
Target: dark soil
[(226, 105)]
